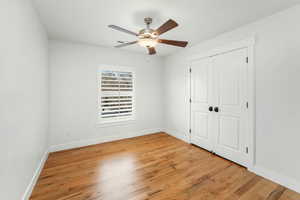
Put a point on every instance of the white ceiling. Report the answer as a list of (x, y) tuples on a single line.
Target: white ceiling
[(86, 20)]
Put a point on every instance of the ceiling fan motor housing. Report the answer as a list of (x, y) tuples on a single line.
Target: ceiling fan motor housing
[(147, 33)]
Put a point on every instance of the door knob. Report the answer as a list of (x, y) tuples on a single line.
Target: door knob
[(210, 108), (216, 109)]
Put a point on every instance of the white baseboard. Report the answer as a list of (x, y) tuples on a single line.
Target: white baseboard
[(113, 137), (35, 177), (178, 135), (277, 178), (76, 144), (266, 173)]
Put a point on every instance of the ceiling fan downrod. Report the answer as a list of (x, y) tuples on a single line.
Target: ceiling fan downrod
[(148, 21)]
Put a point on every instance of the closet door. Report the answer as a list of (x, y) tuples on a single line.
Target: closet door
[(230, 119), (201, 99)]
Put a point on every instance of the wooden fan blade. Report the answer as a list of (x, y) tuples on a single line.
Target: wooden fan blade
[(173, 42), (118, 28), (151, 50), (170, 24), (126, 44)]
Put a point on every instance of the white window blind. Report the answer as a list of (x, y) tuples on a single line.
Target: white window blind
[(116, 96)]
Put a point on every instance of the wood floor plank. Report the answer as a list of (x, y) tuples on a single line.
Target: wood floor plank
[(277, 193), (152, 167)]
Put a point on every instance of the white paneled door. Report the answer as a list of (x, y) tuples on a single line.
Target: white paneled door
[(219, 105), (201, 99)]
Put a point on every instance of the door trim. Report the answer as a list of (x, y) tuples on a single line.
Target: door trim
[(249, 44)]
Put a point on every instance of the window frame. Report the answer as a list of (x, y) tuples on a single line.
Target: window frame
[(118, 120)]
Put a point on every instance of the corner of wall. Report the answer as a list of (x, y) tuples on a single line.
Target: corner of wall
[(179, 135), (35, 177)]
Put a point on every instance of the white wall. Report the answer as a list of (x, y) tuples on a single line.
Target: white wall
[(277, 51), (73, 94), (23, 96)]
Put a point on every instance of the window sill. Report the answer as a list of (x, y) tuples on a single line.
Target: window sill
[(118, 123)]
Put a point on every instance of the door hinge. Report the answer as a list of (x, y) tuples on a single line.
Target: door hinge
[(247, 150), (190, 100), (247, 60), (190, 131), (247, 105), (190, 70)]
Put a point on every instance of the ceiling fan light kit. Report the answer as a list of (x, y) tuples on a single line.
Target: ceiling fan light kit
[(149, 38)]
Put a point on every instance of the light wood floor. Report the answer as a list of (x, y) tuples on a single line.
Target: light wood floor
[(152, 167)]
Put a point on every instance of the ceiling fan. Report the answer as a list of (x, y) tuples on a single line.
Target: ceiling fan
[(148, 37)]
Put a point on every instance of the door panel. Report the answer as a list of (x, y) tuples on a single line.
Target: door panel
[(229, 132), (201, 125), (200, 83), (201, 118), (230, 72), (229, 85)]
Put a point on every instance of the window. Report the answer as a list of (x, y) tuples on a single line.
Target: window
[(116, 100)]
